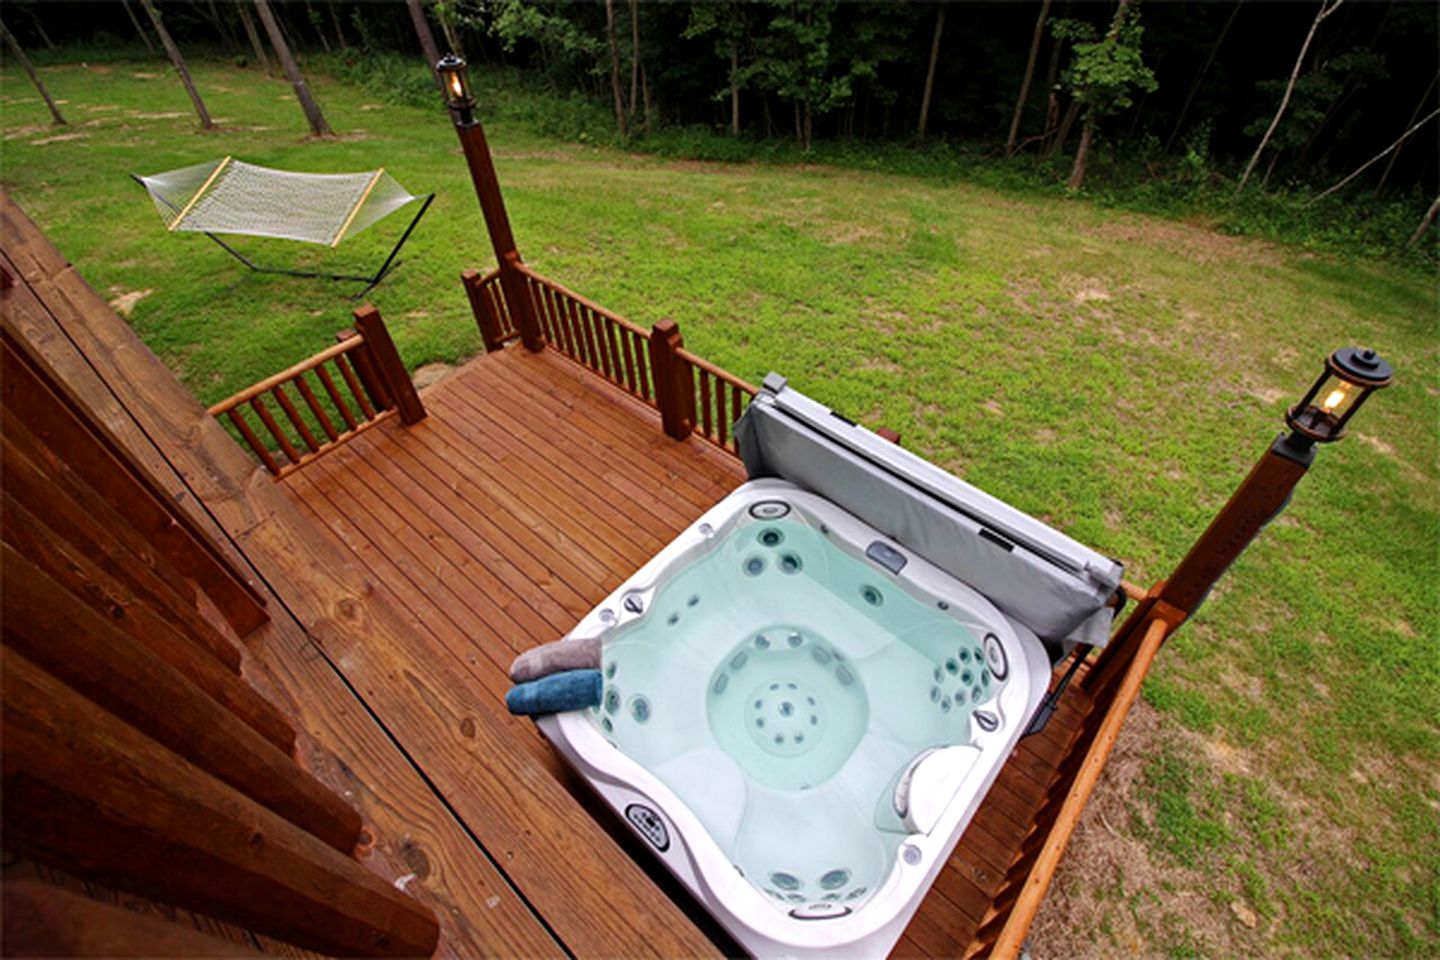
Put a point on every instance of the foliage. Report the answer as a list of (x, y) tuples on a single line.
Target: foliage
[(1104, 73), (1315, 95)]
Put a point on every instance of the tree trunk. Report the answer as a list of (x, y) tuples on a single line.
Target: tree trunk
[(248, 22), (1394, 147), (615, 69), (1413, 114), (930, 72), (1200, 77), (130, 12), (226, 34), (735, 88), (335, 22), (427, 39), (318, 126), (1327, 7), (645, 96), (179, 61), (634, 57), (1061, 135), (14, 46), (1029, 75), (1082, 155), (1425, 222), (314, 21)]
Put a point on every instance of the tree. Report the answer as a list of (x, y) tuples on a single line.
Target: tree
[(427, 39), (318, 126), (1425, 222), (1200, 77), (174, 53), (248, 22), (1103, 74), (14, 46), (1377, 158), (930, 71), (130, 12), (729, 22), (635, 61), (1396, 155), (1029, 76), (615, 69), (1327, 7)]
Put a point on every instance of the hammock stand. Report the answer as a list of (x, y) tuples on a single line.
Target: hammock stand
[(233, 197)]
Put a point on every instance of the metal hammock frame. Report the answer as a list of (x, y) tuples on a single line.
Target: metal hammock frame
[(370, 280)]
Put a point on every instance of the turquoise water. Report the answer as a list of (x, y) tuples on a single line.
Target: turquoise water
[(780, 687)]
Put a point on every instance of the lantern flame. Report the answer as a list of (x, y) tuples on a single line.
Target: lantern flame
[(1335, 398)]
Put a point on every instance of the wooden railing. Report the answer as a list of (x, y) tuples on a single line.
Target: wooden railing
[(692, 395), (362, 382)]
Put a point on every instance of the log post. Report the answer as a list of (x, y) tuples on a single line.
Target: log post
[(388, 365), (485, 318), (45, 625), (45, 921), (674, 380), (90, 794)]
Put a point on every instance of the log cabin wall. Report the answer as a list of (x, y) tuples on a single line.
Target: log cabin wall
[(136, 754)]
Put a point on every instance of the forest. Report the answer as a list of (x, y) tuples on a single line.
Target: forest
[(1297, 98)]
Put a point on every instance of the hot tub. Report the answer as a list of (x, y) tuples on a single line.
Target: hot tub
[(800, 716)]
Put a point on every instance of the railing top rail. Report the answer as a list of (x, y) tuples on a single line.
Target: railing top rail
[(715, 371), (563, 290), (286, 375)]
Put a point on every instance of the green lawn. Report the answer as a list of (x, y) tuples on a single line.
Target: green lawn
[(1111, 373)]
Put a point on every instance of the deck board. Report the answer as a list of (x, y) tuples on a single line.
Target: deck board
[(417, 561)]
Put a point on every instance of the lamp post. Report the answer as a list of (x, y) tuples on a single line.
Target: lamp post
[(1349, 377), (455, 79)]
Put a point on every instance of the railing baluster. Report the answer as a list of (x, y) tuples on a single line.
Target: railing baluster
[(260, 449), (354, 384), (582, 345), (642, 363), (722, 425), (612, 369), (308, 396), (734, 413), (615, 354), (263, 412), (705, 400), (583, 315), (278, 392), (329, 384), (566, 328)]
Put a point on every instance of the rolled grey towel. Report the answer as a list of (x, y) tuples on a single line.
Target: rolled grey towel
[(578, 653)]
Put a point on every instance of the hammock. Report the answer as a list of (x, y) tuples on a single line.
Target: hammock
[(234, 197)]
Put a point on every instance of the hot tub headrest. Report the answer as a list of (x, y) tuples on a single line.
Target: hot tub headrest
[(1036, 574)]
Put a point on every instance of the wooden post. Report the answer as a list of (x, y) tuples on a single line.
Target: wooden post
[(497, 222), (366, 370), (44, 624), (485, 318), (92, 795), (388, 365), (674, 380)]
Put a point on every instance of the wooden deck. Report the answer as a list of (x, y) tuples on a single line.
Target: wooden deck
[(406, 569)]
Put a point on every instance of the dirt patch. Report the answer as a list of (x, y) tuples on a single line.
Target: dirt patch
[(169, 115), (1102, 901), (146, 76), (1088, 290), (431, 374), (372, 106), (19, 132), (123, 301), (1197, 243), (58, 138)]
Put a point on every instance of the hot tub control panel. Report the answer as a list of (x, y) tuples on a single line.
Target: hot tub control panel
[(651, 827)]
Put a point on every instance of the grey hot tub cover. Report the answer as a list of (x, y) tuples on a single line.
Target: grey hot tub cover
[(1051, 583)]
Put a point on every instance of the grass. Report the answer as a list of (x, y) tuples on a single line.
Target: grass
[(1113, 373)]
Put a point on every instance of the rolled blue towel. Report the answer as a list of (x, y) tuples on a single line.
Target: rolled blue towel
[(557, 693)]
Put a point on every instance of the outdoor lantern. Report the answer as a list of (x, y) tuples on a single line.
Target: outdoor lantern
[(1350, 375), (456, 80)]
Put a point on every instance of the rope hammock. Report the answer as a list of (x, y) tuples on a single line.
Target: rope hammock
[(234, 197)]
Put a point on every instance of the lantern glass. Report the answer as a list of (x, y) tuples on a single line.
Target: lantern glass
[(456, 79)]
